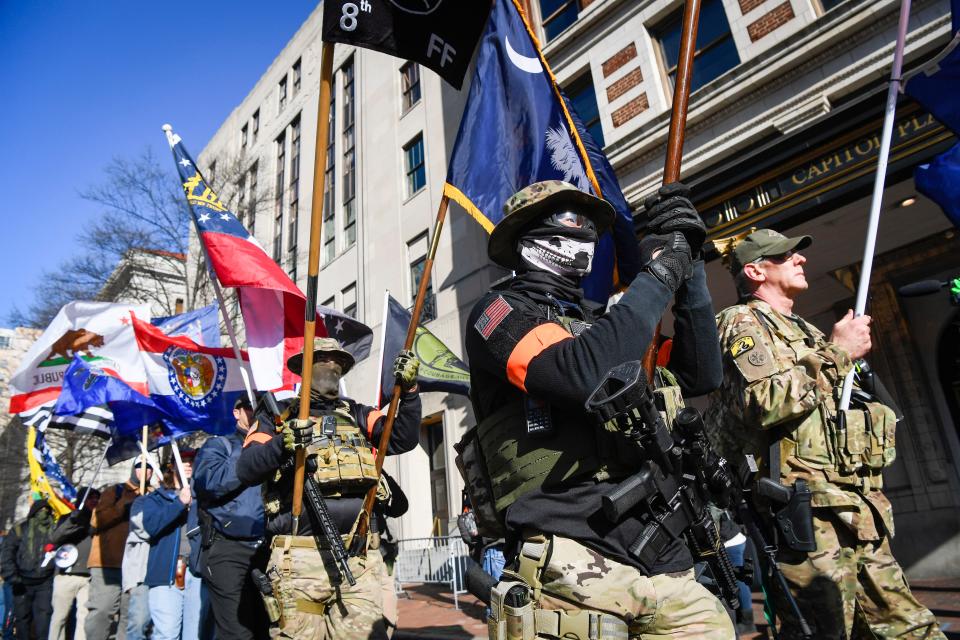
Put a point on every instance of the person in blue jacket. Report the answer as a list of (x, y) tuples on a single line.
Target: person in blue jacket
[(232, 521), (177, 597)]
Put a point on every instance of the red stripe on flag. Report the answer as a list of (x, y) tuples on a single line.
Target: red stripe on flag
[(151, 339)]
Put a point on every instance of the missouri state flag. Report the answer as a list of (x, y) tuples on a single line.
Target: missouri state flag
[(271, 304), (518, 120), (193, 386)]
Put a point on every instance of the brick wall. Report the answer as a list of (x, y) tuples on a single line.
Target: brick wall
[(624, 84), (771, 21), (619, 59), (630, 110), (746, 6)]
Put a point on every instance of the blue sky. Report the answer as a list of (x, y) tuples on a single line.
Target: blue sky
[(90, 80)]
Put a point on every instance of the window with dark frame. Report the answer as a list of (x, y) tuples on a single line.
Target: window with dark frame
[(282, 91), (558, 15), (242, 199), (293, 209), (256, 126), (830, 4), (211, 176), (329, 303), (252, 199), (329, 189), (296, 77), (348, 142), (583, 98), (414, 165), (410, 84), (716, 52), (243, 138), (432, 441), (417, 255), (278, 199), (349, 297)]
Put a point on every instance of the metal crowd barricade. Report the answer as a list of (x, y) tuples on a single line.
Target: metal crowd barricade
[(435, 560)]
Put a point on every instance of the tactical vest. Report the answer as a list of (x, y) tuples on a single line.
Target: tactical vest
[(502, 458), (854, 450), (345, 462)]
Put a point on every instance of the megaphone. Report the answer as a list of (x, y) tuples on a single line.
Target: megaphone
[(66, 556)]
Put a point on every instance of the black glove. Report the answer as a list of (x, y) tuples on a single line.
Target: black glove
[(670, 210), (673, 265)]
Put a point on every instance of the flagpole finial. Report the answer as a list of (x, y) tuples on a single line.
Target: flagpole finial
[(172, 138)]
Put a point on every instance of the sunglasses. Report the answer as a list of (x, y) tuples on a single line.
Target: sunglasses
[(777, 259)]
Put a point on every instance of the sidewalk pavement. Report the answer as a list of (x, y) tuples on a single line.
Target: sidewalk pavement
[(427, 611)]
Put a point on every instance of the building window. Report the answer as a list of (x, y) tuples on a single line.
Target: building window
[(410, 84), (417, 255), (348, 140), (584, 101), (4, 342), (558, 15), (414, 165), (278, 204), (329, 190), (830, 4), (256, 126), (294, 207), (349, 298), (328, 303), (296, 77), (282, 92), (431, 439), (242, 199), (716, 52), (243, 138), (211, 176), (251, 216)]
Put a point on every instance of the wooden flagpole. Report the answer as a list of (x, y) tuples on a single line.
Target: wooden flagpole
[(143, 461), (313, 267), (363, 525), (678, 122)]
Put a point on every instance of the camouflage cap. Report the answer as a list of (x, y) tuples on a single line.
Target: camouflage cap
[(765, 243), (323, 348), (536, 201)]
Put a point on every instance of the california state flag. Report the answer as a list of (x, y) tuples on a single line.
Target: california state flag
[(101, 333)]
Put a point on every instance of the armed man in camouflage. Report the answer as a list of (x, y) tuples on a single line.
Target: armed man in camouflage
[(779, 402), (341, 434), (537, 350)]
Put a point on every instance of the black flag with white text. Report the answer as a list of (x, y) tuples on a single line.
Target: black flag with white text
[(439, 34)]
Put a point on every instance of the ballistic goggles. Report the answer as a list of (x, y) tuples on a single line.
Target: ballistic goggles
[(572, 219)]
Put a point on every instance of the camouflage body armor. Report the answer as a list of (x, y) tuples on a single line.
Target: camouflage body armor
[(345, 461), (505, 457)]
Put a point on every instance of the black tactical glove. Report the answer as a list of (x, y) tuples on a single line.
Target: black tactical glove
[(673, 265), (405, 369), (670, 210), (297, 433)]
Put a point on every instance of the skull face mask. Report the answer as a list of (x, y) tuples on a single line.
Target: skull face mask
[(557, 246), (325, 379)]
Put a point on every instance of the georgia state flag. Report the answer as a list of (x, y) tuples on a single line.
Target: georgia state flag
[(196, 386)]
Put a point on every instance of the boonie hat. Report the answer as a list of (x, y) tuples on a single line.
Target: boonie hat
[(765, 243), (535, 201), (323, 348)]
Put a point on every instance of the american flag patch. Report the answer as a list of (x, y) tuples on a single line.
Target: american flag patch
[(492, 316)]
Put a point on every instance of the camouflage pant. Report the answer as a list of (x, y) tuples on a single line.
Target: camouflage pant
[(314, 610), (670, 605), (847, 585)]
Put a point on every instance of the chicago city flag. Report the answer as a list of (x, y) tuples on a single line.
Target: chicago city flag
[(100, 333), (271, 303), (194, 386)]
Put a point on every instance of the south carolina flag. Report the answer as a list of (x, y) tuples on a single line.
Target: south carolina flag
[(195, 386)]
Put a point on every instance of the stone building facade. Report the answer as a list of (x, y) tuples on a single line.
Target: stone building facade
[(782, 132)]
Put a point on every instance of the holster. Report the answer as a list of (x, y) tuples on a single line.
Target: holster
[(795, 520)]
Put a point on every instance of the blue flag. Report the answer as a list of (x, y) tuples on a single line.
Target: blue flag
[(937, 84), (516, 122), (86, 385), (201, 325), (440, 369), (940, 181)]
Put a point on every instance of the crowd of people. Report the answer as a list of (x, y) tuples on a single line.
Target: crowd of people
[(221, 543)]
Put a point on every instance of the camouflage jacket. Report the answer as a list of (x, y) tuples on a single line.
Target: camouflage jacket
[(781, 381)]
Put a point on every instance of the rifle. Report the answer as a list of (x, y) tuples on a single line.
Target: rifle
[(325, 532)]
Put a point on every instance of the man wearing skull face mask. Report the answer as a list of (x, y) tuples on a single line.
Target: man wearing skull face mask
[(537, 351), (342, 434)]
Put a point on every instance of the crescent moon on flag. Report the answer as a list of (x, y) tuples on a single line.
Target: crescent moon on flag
[(530, 65)]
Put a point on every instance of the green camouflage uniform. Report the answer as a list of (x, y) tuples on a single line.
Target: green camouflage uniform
[(781, 380)]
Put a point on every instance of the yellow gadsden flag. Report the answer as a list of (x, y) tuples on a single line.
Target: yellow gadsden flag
[(46, 477)]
